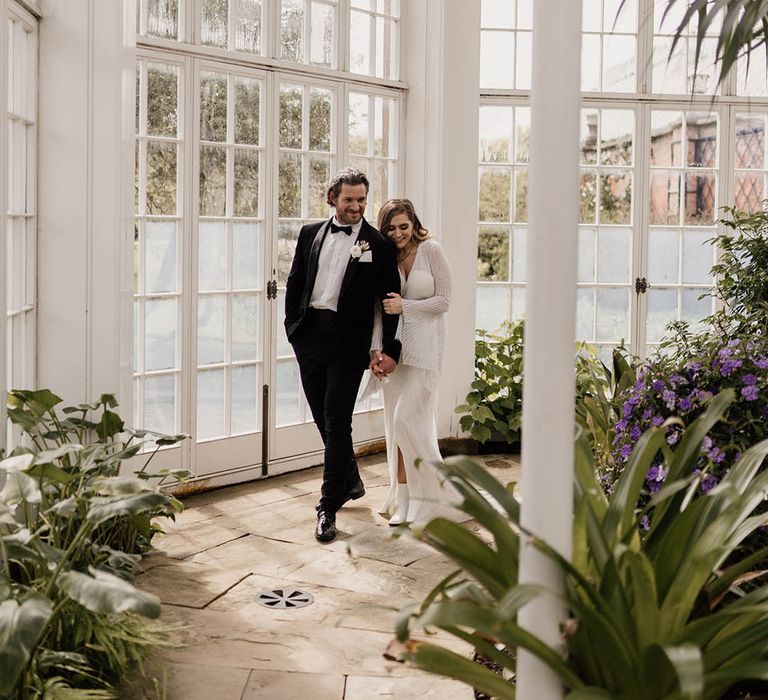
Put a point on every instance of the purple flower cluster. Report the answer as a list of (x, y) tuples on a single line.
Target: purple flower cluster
[(663, 390)]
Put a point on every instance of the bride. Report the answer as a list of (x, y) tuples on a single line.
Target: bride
[(417, 492)]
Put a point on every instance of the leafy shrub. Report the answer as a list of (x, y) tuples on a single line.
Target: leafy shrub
[(71, 531), (651, 612), (493, 409)]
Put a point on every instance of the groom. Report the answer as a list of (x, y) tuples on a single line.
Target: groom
[(342, 268)]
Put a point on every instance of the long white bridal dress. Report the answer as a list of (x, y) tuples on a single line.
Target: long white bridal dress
[(410, 395)]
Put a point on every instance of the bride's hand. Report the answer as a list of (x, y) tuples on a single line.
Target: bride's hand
[(394, 304)]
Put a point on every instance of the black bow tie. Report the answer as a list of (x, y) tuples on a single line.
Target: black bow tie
[(336, 229)]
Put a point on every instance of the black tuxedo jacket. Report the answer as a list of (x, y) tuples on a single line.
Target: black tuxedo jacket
[(364, 285)]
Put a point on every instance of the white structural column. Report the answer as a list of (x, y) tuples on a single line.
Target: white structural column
[(548, 389), (442, 69), (85, 202), (3, 210)]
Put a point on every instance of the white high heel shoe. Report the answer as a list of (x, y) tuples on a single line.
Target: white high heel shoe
[(402, 506)]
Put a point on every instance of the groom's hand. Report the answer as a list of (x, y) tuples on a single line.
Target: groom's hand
[(385, 366)]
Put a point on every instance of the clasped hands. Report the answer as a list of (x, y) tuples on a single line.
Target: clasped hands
[(382, 365)]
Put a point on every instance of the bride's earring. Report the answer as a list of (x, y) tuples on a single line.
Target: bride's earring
[(402, 505)]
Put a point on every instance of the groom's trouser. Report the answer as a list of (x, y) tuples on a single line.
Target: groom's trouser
[(331, 381)]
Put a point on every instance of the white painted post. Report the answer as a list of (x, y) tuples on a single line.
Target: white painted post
[(548, 390)]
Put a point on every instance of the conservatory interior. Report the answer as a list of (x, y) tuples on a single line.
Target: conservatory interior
[(595, 172)]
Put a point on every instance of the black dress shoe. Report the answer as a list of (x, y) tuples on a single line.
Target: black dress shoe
[(326, 526), (355, 492)]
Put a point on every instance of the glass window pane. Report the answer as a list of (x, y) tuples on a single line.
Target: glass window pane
[(160, 404), (666, 138), (320, 116), (616, 198), (213, 180), (662, 309), (289, 191), (211, 414), (159, 334), (497, 14), (160, 256), (749, 191), (519, 255), (585, 314), (665, 197), (493, 254), (246, 264), (248, 30), (698, 257), (245, 404), (246, 182), (495, 133), (617, 129), (586, 268), (381, 184), (163, 18), (492, 307), (613, 255), (663, 257), (211, 256), (386, 51), (162, 99), (522, 133), (384, 134), (288, 399), (669, 73), (619, 63), (287, 235), (358, 123), (211, 329), (247, 110), (495, 185), (612, 314), (213, 107), (590, 61), (523, 64), (161, 178), (497, 56), (700, 198), (588, 136), (322, 34), (319, 177), (521, 196), (245, 327), (615, 21), (588, 194), (291, 111), (694, 309), (359, 42), (214, 22), (701, 135), (292, 30), (284, 348), (750, 140), (518, 303)]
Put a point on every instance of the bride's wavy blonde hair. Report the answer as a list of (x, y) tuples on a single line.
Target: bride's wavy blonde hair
[(391, 208)]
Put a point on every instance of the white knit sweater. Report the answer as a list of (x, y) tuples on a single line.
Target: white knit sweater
[(426, 297)]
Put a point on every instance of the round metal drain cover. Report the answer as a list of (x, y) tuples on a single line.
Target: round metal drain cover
[(285, 598)]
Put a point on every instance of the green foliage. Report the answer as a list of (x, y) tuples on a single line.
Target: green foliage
[(494, 406), (652, 614), (71, 530), (741, 274), (493, 409)]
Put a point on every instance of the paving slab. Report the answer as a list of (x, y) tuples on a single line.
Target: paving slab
[(426, 688), (271, 685)]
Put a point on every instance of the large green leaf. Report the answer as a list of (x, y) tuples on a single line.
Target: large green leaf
[(20, 628), (20, 487), (103, 592), (103, 508)]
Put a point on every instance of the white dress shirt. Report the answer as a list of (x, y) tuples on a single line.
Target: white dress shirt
[(332, 264)]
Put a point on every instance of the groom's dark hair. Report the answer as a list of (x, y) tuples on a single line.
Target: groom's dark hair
[(348, 176)]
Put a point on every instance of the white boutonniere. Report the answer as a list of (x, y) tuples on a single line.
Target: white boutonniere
[(358, 249)]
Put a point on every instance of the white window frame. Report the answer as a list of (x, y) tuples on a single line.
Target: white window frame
[(727, 104), (18, 336)]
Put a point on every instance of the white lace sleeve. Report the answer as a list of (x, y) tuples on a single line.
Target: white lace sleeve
[(419, 309), (378, 329)]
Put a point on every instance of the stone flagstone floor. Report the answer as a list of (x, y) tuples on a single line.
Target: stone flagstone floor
[(231, 544)]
